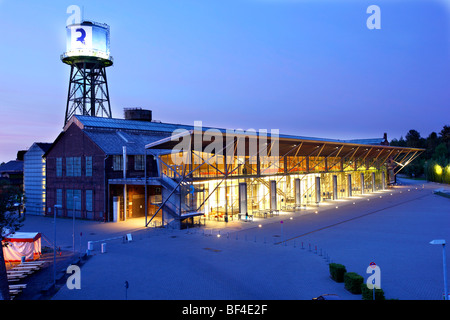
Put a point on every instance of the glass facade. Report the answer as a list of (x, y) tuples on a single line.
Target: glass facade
[(223, 187)]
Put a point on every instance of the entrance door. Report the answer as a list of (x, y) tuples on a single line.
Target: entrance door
[(138, 206)]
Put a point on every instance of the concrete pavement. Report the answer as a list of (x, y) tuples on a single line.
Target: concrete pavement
[(264, 259)]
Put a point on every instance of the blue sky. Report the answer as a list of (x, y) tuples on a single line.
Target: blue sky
[(305, 67)]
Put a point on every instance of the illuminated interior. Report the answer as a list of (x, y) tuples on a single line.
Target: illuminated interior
[(221, 187)]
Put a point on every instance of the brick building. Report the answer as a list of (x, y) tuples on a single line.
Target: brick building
[(86, 159), (111, 169)]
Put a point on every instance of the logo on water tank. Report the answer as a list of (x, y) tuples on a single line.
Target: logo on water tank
[(83, 35), (80, 37)]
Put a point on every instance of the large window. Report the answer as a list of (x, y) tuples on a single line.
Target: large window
[(139, 162), (117, 163), (73, 166), (77, 166), (69, 167), (73, 196), (88, 166), (59, 197), (59, 167), (89, 200)]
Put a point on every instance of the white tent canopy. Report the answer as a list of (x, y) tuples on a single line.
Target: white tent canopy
[(22, 244)]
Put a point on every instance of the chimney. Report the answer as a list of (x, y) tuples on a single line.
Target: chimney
[(385, 141)]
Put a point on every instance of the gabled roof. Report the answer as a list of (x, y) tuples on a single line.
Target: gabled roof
[(113, 141), (45, 146), (89, 122), (112, 134), (12, 166)]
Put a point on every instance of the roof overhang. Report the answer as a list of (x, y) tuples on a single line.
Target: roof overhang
[(287, 145)]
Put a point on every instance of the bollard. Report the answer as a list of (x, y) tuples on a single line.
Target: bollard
[(103, 250), (90, 245)]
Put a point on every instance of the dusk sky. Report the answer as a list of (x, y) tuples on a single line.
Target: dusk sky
[(309, 68)]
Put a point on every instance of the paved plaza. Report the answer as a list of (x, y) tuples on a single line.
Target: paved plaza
[(267, 259)]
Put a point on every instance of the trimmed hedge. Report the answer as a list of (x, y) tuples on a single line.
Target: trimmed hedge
[(353, 282), (367, 294), (337, 272)]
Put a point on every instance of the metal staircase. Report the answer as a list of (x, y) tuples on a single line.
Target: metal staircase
[(173, 193)]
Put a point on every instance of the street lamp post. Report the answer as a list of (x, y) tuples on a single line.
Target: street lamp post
[(56, 206), (442, 242)]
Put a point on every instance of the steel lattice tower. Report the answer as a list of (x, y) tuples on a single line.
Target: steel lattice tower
[(88, 86)]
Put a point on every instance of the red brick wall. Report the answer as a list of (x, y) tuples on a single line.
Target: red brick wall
[(74, 143)]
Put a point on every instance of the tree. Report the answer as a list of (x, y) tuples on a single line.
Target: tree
[(398, 143), (445, 136), (431, 143), (440, 153), (413, 139), (9, 223)]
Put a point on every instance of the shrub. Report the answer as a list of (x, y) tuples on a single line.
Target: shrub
[(353, 282), (337, 272), (367, 294)]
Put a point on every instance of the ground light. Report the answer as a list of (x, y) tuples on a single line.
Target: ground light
[(438, 169), (442, 242)]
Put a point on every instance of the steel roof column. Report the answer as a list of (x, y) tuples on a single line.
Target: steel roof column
[(317, 190), (362, 182), (335, 195), (349, 184)]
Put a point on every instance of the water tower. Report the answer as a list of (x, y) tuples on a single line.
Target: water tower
[(88, 56)]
